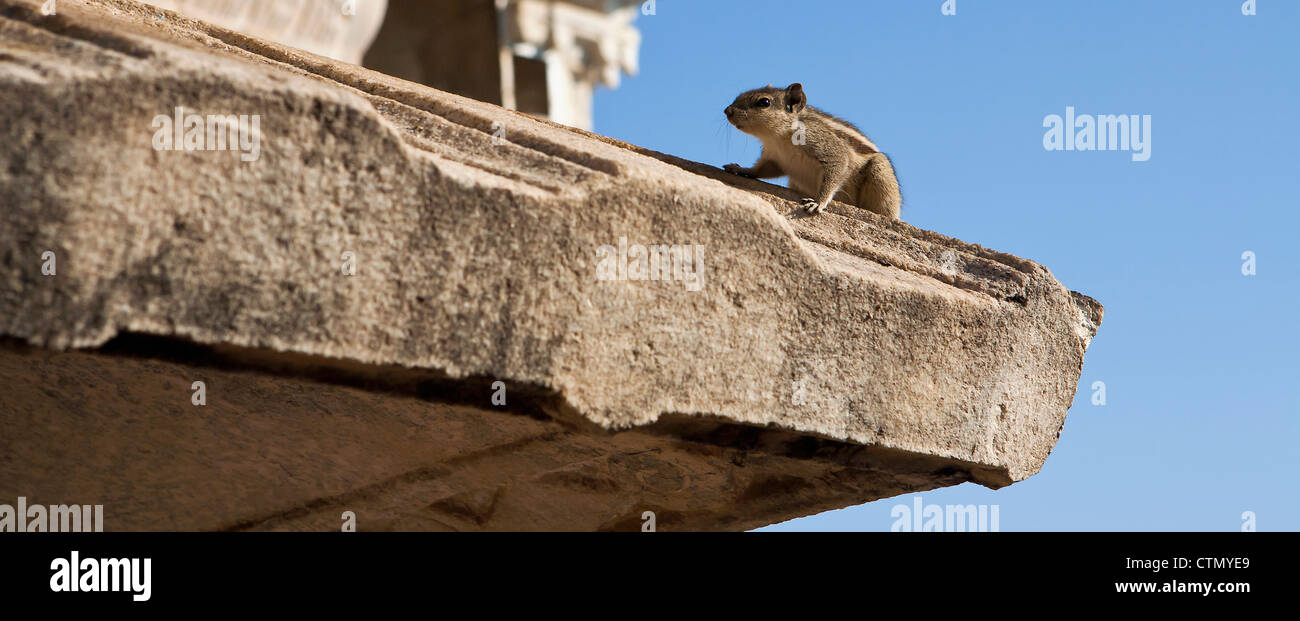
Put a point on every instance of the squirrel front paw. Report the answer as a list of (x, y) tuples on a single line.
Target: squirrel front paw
[(737, 169), (812, 205)]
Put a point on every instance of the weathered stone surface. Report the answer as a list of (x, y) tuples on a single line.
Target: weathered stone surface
[(274, 451), (823, 362)]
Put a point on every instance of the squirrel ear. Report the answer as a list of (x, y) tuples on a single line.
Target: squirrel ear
[(795, 99)]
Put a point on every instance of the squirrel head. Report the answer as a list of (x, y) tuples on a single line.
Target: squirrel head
[(768, 110)]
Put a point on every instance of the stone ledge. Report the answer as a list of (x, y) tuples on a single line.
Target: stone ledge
[(475, 232)]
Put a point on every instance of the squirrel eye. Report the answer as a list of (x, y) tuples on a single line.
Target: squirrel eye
[(764, 102)]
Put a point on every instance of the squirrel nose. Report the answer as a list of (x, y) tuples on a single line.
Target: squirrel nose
[(730, 111)]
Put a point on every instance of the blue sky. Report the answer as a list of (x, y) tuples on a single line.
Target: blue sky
[(1199, 361)]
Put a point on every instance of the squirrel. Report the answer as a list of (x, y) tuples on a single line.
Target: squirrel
[(824, 156)]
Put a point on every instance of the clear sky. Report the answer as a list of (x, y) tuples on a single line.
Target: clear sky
[(1202, 413)]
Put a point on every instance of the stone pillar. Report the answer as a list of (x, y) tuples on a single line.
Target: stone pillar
[(450, 45), (559, 50)]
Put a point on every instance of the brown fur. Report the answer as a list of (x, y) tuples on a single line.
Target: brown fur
[(825, 157)]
